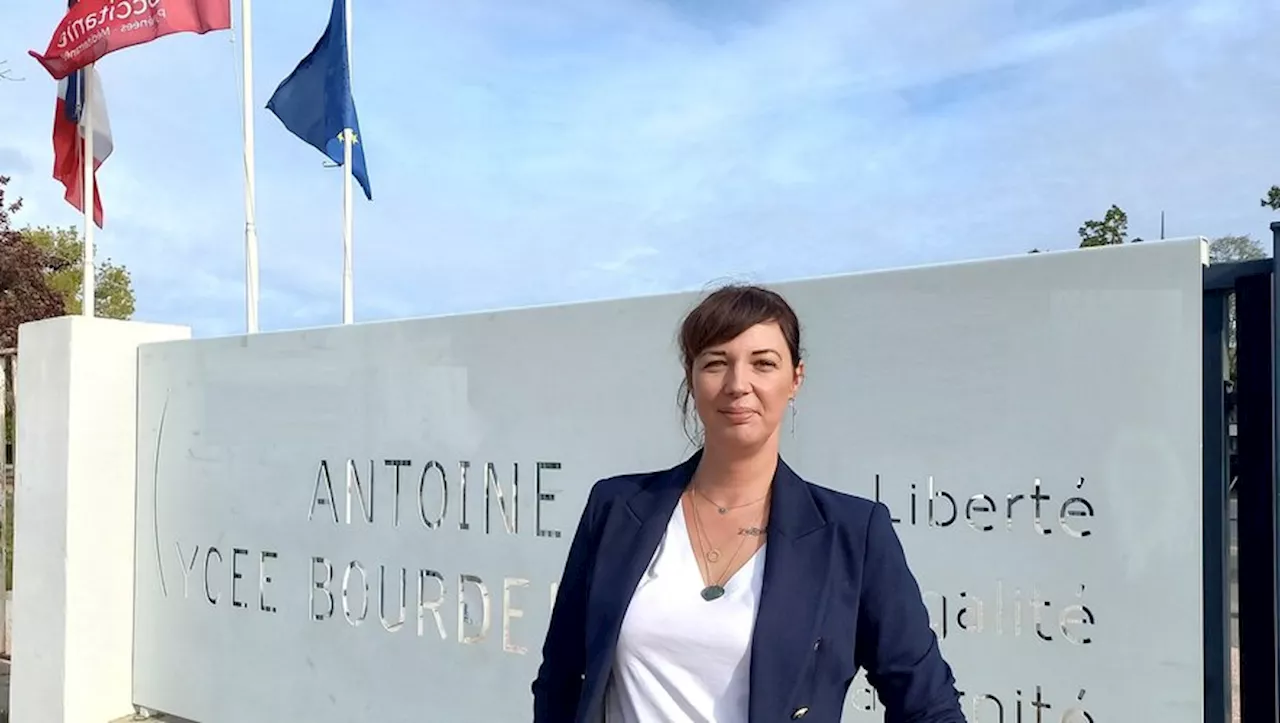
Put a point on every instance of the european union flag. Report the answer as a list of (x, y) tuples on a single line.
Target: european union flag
[(315, 101)]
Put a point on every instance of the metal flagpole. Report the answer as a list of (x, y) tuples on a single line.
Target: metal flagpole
[(250, 210), (348, 137), (86, 130), (348, 313)]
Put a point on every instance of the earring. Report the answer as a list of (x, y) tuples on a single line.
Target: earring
[(793, 416)]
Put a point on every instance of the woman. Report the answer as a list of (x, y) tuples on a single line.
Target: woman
[(728, 589)]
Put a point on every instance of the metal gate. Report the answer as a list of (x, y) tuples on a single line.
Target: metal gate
[(1242, 410)]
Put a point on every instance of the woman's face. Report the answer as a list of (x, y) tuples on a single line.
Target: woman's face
[(741, 388)]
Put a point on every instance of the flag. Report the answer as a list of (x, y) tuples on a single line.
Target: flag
[(68, 137), (93, 28), (315, 101)]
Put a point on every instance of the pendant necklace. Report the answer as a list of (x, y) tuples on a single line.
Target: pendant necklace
[(713, 590), (725, 509), (709, 551)]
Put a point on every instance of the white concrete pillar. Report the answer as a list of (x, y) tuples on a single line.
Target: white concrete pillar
[(74, 518)]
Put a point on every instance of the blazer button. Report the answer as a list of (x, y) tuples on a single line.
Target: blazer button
[(799, 713), (817, 644)]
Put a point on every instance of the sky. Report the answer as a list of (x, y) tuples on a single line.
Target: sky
[(568, 150)]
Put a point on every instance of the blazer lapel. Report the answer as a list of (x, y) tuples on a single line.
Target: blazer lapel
[(630, 536), (792, 599)]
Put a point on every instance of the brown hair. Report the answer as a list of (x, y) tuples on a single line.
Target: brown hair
[(723, 315)]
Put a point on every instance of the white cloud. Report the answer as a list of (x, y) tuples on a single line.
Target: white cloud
[(627, 258)]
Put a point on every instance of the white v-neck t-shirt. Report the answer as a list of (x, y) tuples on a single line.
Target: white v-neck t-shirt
[(681, 658)]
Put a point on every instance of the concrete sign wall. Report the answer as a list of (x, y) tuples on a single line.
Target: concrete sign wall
[(368, 523)]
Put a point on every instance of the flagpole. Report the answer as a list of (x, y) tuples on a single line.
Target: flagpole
[(348, 313), (348, 302), (250, 191), (86, 130)]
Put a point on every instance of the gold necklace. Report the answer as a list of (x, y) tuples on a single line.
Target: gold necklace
[(724, 509), (709, 551), (713, 590)]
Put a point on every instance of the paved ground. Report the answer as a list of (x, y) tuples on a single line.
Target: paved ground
[(1235, 685)]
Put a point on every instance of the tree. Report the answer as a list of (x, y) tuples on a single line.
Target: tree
[(113, 287), (1226, 249), (25, 294), (1112, 230), (24, 289), (1272, 199)]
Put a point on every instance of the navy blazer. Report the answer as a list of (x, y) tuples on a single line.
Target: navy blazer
[(837, 596)]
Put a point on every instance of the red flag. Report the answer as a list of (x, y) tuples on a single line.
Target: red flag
[(70, 124), (93, 28)]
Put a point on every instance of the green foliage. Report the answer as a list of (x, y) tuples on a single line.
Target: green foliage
[(1272, 199), (113, 288), (1112, 230), (1226, 249), (40, 273), (25, 294)]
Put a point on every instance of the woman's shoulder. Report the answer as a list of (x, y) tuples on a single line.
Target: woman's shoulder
[(629, 484), (846, 509), (622, 485), (862, 527), (607, 490)]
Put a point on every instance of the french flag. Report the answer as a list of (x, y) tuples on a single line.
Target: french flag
[(69, 129)]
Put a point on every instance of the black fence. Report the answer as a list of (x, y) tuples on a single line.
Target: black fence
[(1250, 474)]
